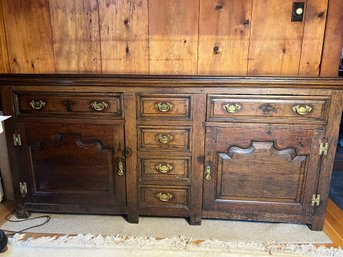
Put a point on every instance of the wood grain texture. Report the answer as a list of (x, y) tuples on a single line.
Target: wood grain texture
[(275, 43), (224, 32), (333, 43), (131, 161), (28, 36), (333, 225), (76, 37), (226, 37), (173, 36), (255, 166), (189, 137), (229, 188), (124, 36), (332, 130), (4, 65), (6, 208), (199, 109), (315, 21)]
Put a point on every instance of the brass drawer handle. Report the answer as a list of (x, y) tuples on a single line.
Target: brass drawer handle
[(37, 105), (232, 108), (208, 171), (302, 110), (164, 107), (164, 138), (120, 167), (99, 106), (164, 197), (164, 168)]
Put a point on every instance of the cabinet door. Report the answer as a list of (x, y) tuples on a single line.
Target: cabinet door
[(74, 167), (261, 172)]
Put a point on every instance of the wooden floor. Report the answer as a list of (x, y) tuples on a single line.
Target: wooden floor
[(333, 225), (5, 209)]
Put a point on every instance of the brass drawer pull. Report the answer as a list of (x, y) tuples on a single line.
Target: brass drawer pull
[(208, 171), (120, 167), (164, 168), (164, 138), (164, 197), (99, 106), (232, 108), (164, 107), (302, 110), (37, 105)]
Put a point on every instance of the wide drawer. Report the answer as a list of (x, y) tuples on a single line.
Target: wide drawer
[(164, 138), (292, 108), (164, 169), (40, 103), (164, 106), (164, 197)]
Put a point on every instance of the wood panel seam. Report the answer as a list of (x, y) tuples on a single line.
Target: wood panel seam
[(302, 43), (52, 36), (323, 43), (100, 38), (252, 20)]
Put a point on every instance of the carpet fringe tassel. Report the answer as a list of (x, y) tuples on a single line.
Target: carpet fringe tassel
[(175, 243)]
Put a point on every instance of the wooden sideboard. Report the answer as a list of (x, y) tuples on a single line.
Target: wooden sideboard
[(247, 148)]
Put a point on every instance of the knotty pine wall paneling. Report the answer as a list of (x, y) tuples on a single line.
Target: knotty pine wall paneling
[(333, 43), (4, 65), (124, 36), (76, 35), (227, 37), (275, 43), (224, 33), (311, 51), (173, 36), (28, 35)]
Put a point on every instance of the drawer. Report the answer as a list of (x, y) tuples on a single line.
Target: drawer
[(164, 106), (161, 169), (164, 138), (40, 103), (164, 197), (292, 108)]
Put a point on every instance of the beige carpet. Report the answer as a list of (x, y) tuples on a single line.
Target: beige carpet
[(229, 231)]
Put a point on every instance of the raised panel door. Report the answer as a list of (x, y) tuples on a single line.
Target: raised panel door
[(256, 171), (74, 167)]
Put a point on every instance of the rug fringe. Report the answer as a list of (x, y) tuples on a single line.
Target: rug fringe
[(175, 243)]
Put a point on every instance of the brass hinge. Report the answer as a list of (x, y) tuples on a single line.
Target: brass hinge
[(323, 148), (17, 139), (23, 189), (315, 200)]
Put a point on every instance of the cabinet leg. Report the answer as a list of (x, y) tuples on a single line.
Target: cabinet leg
[(194, 220), (132, 218), (21, 212), (317, 225)]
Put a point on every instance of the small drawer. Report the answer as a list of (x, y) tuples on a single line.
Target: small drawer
[(164, 138), (164, 168), (164, 197), (284, 108), (40, 103), (164, 106)]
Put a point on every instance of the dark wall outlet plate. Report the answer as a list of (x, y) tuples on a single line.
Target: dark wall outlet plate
[(298, 11)]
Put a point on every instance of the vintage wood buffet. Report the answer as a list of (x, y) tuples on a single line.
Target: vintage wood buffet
[(250, 148)]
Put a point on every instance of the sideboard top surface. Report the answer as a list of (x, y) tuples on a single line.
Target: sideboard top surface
[(167, 80)]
